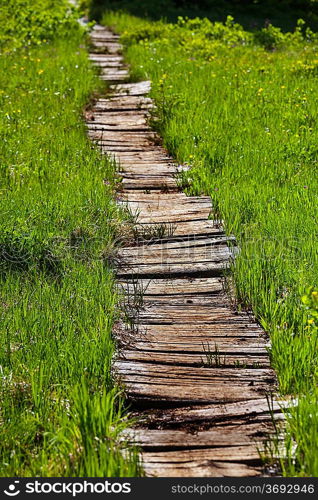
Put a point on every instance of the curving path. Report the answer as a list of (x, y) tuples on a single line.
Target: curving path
[(195, 370)]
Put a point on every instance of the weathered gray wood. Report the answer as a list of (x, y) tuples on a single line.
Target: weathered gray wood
[(115, 76), (177, 228), (145, 183), (212, 246), (247, 453), (108, 123), (143, 137), (150, 392), (174, 260), (201, 347), (218, 413), (208, 345), (123, 103), (136, 89), (137, 166), (162, 200), (111, 47), (153, 172), (104, 58), (217, 436), (111, 127), (216, 268), (186, 359), (229, 325), (189, 466), (134, 168), (175, 286)]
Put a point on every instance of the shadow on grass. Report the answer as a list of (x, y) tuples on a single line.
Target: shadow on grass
[(252, 14)]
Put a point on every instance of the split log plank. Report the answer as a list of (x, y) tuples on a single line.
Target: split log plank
[(176, 228), (197, 467), (186, 359), (217, 436), (175, 286)]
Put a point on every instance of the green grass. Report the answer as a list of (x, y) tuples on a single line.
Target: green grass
[(241, 109), (60, 412)]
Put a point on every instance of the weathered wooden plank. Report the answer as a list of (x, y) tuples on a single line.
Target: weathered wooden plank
[(165, 257), (111, 127), (177, 228), (125, 100), (226, 325), (124, 103), (138, 173), (152, 156), (209, 339), (200, 259), (110, 47), (198, 467), (207, 312), (162, 200), (106, 58), (184, 212), (186, 375), (181, 358), (146, 161), (217, 436), (186, 299), (146, 183), (221, 413), (125, 136), (110, 64), (106, 120), (123, 116), (112, 75), (247, 454), (134, 168), (102, 32), (137, 89), (114, 149), (176, 216), (174, 269), (213, 248), (208, 343), (149, 393), (174, 286), (108, 140), (199, 347), (104, 38), (117, 148), (113, 138)]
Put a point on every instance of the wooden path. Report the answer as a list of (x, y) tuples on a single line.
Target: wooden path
[(195, 370)]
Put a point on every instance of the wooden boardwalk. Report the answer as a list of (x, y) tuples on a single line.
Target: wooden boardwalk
[(195, 370)]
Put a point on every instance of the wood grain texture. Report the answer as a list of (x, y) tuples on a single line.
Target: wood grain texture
[(195, 370)]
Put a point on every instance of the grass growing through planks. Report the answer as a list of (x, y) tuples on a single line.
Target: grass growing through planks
[(60, 413), (240, 107)]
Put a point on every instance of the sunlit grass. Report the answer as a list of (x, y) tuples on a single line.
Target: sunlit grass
[(60, 413)]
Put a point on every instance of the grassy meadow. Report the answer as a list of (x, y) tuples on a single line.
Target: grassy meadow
[(60, 414), (240, 107)]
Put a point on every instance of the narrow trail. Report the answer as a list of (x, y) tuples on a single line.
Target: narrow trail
[(195, 370)]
